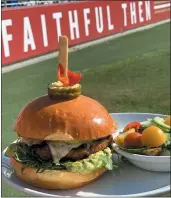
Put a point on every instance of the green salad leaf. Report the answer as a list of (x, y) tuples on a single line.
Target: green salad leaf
[(167, 144), (134, 150), (165, 152), (144, 150), (25, 154)]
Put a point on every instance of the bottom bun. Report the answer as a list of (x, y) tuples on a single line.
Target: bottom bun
[(54, 179)]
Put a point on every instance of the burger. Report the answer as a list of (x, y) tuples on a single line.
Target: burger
[(64, 138), (62, 145)]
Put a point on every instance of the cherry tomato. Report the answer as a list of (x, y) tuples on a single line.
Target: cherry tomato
[(153, 137), (119, 140), (167, 121), (135, 125), (133, 140)]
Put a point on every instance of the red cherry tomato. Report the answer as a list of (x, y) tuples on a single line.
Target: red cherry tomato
[(133, 140), (72, 79), (135, 125)]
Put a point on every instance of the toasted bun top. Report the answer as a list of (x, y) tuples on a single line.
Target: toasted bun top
[(79, 119)]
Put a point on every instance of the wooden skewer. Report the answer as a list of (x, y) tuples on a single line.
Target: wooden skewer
[(63, 53)]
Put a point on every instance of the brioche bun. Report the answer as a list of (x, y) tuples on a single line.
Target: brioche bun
[(79, 119), (54, 179)]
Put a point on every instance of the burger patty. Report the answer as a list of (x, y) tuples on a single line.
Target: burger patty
[(74, 154), (87, 149)]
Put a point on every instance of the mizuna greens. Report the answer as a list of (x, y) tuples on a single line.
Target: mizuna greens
[(24, 154)]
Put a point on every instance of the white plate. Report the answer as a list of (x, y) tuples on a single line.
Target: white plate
[(127, 181)]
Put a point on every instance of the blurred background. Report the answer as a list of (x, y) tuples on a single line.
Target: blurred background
[(19, 3)]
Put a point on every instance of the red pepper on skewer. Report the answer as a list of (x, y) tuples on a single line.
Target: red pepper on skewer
[(72, 79)]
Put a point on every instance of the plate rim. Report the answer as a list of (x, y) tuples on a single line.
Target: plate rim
[(158, 191)]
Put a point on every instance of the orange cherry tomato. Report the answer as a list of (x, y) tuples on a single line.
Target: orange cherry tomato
[(167, 121), (153, 136), (135, 125), (133, 140), (119, 140)]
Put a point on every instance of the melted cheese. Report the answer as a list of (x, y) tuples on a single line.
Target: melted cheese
[(60, 149), (29, 141)]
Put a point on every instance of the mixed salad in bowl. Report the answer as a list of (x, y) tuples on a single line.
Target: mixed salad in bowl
[(151, 137)]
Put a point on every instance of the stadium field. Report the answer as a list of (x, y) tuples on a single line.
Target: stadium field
[(128, 74)]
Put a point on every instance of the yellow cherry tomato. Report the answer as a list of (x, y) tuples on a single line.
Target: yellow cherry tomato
[(153, 137), (119, 140), (167, 120)]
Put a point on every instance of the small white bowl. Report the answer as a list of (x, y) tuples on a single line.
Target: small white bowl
[(151, 163)]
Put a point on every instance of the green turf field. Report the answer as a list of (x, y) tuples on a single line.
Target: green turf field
[(129, 74)]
